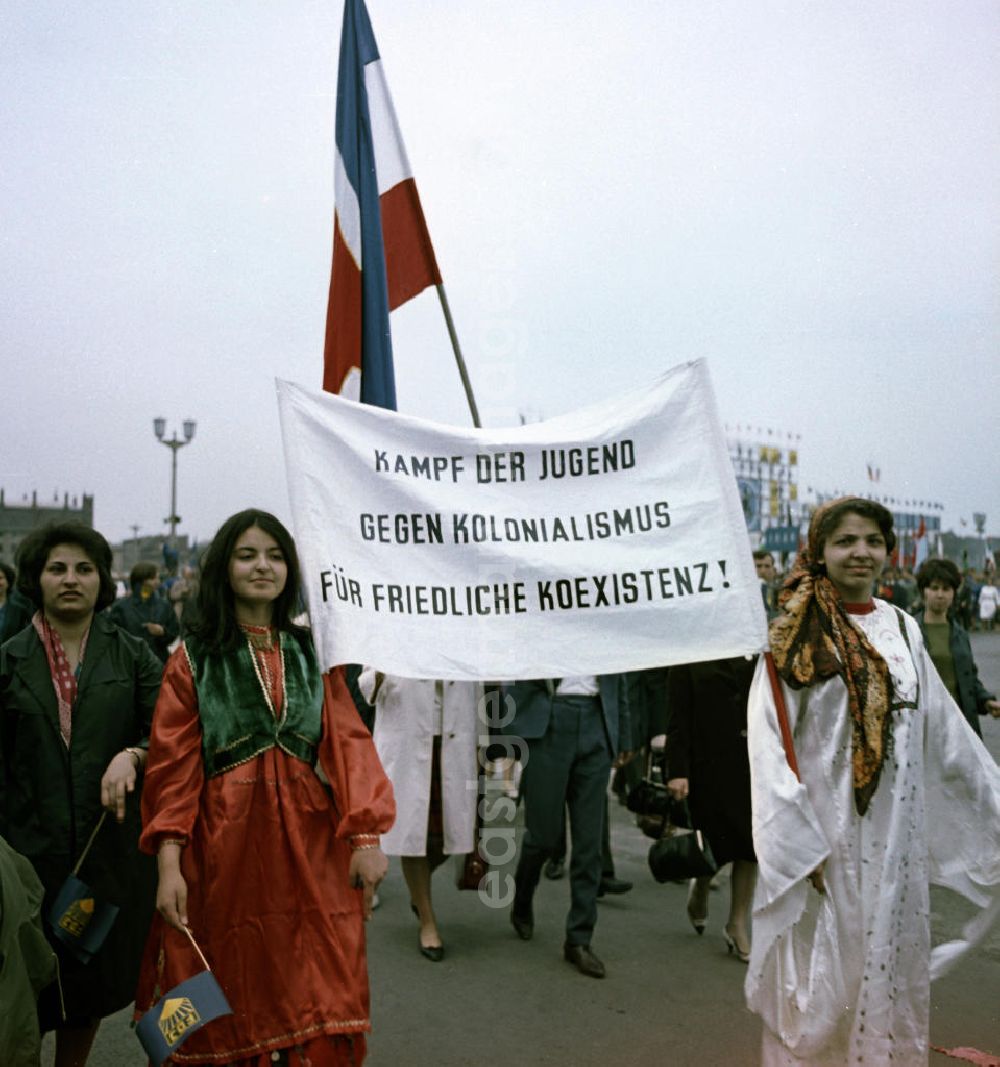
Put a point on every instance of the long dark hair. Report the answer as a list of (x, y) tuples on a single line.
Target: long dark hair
[(216, 625), (33, 554)]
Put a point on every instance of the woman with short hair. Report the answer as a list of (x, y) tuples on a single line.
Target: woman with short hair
[(893, 792), (76, 700), (948, 643)]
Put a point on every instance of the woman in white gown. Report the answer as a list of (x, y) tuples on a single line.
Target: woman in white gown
[(896, 792)]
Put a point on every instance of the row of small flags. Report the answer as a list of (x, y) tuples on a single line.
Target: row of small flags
[(926, 505), (740, 428)]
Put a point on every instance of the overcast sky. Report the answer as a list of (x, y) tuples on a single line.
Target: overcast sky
[(803, 193)]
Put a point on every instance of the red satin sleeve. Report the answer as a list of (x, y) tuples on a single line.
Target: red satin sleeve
[(362, 793), (175, 773)]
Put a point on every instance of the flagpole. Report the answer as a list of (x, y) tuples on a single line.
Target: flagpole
[(462, 369), (187, 930), (779, 705), (83, 854)]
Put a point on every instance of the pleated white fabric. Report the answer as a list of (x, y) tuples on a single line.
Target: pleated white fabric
[(844, 979)]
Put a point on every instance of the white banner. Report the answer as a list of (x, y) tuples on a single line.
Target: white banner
[(609, 539)]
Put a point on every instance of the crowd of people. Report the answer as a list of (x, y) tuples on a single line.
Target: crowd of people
[(186, 756)]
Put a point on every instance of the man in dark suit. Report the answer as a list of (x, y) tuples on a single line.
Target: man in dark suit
[(576, 728)]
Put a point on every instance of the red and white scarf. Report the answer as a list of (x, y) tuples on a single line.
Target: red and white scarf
[(63, 678)]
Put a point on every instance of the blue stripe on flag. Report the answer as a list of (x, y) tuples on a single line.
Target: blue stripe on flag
[(354, 142)]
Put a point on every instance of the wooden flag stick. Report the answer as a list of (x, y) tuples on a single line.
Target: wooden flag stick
[(462, 370), (783, 724), (83, 854), (187, 930)]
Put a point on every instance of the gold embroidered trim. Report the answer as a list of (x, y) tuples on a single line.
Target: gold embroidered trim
[(272, 1043), (238, 741), (266, 689), (271, 781), (240, 762)]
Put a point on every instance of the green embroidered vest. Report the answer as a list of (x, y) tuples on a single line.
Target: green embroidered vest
[(236, 720)]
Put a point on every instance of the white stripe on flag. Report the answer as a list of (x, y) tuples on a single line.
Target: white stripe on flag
[(348, 209), (391, 164)]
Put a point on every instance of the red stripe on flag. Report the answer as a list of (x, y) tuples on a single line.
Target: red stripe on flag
[(410, 265), (342, 347)]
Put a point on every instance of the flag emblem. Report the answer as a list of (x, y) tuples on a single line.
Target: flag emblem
[(179, 1013), (76, 918), (176, 1018), (79, 919)]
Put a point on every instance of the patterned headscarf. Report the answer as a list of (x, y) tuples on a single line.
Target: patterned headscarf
[(813, 639)]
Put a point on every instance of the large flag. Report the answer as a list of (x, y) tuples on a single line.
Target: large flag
[(382, 254)]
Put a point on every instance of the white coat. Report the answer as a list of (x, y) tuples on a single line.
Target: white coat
[(407, 718)]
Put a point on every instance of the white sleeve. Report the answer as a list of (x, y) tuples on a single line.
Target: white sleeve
[(788, 838)]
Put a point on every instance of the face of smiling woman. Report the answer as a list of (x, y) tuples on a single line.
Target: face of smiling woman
[(257, 575), (70, 584), (854, 554)]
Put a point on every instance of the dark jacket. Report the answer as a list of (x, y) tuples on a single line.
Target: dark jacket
[(27, 962), (707, 744), (17, 616), (533, 709), (50, 798), (972, 694), (132, 613)]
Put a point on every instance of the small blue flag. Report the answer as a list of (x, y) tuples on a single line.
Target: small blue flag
[(178, 1013), (79, 920)]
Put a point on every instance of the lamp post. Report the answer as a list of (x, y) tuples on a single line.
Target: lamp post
[(160, 428)]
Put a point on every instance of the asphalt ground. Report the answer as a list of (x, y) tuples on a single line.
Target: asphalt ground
[(670, 998)]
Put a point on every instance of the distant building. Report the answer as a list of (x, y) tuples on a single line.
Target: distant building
[(149, 549), (17, 520), (766, 465)]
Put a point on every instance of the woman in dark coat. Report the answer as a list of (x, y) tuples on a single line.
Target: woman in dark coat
[(76, 701), (707, 758)]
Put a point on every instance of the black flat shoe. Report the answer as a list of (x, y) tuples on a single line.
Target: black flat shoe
[(583, 960), (434, 953), (523, 923), (613, 886)]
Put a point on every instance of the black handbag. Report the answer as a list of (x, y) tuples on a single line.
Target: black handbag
[(649, 800), (681, 854)]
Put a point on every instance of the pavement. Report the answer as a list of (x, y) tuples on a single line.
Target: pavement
[(670, 997)]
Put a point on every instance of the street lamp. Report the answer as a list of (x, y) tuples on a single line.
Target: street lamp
[(160, 428)]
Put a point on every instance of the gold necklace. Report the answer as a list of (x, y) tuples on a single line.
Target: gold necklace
[(264, 679), (261, 637)]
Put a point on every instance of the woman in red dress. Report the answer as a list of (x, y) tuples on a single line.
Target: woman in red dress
[(264, 801)]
